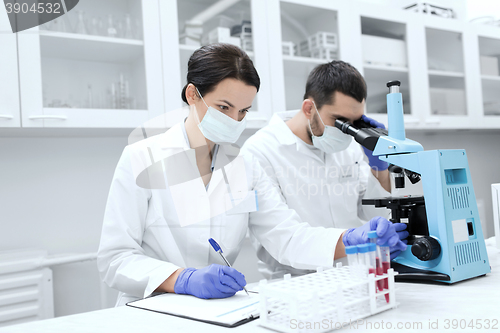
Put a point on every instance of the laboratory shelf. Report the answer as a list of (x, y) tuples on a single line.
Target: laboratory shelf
[(490, 77), (445, 73), (81, 117), (376, 78), (90, 48), (304, 59), (191, 48), (386, 68)]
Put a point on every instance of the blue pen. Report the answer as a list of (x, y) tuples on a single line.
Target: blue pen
[(219, 251)]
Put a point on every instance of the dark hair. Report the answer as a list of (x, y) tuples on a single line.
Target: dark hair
[(211, 64), (326, 79)]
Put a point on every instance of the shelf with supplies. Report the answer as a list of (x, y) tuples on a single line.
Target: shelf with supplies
[(67, 68), (89, 48), (95, 66), (201, 23), (304, 59), (308, 37)]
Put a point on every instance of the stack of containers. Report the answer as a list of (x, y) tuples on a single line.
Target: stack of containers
[(243, 31), (321, 45)]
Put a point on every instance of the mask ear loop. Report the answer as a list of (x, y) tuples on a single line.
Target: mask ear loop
[(196, 111), (309, 122)]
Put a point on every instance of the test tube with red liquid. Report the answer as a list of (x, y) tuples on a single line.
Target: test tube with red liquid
[(386, 264), (372, 236)]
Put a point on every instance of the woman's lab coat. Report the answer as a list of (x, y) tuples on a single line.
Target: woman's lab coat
[(159, 216)]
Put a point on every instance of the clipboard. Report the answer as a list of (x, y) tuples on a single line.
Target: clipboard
[(227, 312)]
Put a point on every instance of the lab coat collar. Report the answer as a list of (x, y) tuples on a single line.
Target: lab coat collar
[(285, 135), (282, 132), (174, 138)]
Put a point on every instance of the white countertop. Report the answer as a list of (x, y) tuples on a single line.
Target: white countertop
[(477, 299)]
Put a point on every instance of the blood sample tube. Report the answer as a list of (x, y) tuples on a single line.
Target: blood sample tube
[(372, 236), (386, 264)]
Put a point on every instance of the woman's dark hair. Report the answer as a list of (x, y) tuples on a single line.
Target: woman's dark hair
[(211, 64), (334, 76)]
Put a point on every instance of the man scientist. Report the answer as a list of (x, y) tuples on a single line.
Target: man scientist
[(320, 171)]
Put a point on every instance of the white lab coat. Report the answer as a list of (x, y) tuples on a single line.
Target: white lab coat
[(324, 189), (146, 235)]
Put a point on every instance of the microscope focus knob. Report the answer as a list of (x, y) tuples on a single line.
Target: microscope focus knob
[(426, 248)]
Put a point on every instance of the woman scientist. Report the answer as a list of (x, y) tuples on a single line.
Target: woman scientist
[(172, 192)]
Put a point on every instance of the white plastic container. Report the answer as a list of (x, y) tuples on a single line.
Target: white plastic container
[(447, 101), (222, 35), (326, 54), (489, 66), (335, 296), (384, 51), (288, 48), (186, 39), (323, 40)]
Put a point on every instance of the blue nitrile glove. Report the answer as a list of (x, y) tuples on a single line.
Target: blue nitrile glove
[(214, 281), (374, 161), (395, 253), (387, 232)]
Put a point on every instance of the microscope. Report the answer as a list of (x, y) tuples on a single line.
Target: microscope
[(446, 242)]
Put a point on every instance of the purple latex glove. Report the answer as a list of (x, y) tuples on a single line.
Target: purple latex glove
[(214, 281), (395, 253), (387, 232), (374, 162)]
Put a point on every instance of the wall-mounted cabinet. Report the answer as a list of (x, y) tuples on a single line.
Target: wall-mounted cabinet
[(384, 59), (10, 115), (101, 66), (489, 62), (96, 66)]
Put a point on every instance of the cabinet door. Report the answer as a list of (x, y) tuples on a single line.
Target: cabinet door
[(450, 76), (217, 22), (302, 35), (9, 81), (486, 62), (96, 66), (389, 52)]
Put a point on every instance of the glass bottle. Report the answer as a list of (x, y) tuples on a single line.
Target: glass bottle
[(80, 23), (128, 27), (111, 31)]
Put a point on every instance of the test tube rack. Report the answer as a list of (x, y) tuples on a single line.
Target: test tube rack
[(337, 296)]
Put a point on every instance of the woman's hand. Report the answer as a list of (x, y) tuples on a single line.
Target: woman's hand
[(214, 281)]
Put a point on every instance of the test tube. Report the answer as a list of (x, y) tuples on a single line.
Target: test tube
[(372, 236), (364, 257), (386, 264), (371, 254), (352, 255)]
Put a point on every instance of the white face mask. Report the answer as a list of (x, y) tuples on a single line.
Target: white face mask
[(219, 128), (332, 140)]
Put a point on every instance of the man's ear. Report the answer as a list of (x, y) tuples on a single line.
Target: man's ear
[(308, 108)]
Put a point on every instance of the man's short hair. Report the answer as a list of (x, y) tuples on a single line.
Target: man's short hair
[(326, 79)]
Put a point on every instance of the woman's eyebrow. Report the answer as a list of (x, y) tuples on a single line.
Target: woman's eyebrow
[(223, 100), (231, 105)]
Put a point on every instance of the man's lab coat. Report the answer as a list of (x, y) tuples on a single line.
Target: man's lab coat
[(324, 189)]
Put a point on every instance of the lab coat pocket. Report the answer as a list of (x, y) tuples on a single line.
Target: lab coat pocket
[(349, 180), (241, 202)]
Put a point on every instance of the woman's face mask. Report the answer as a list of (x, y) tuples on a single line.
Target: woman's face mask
[(219, 128), (332, 140)]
